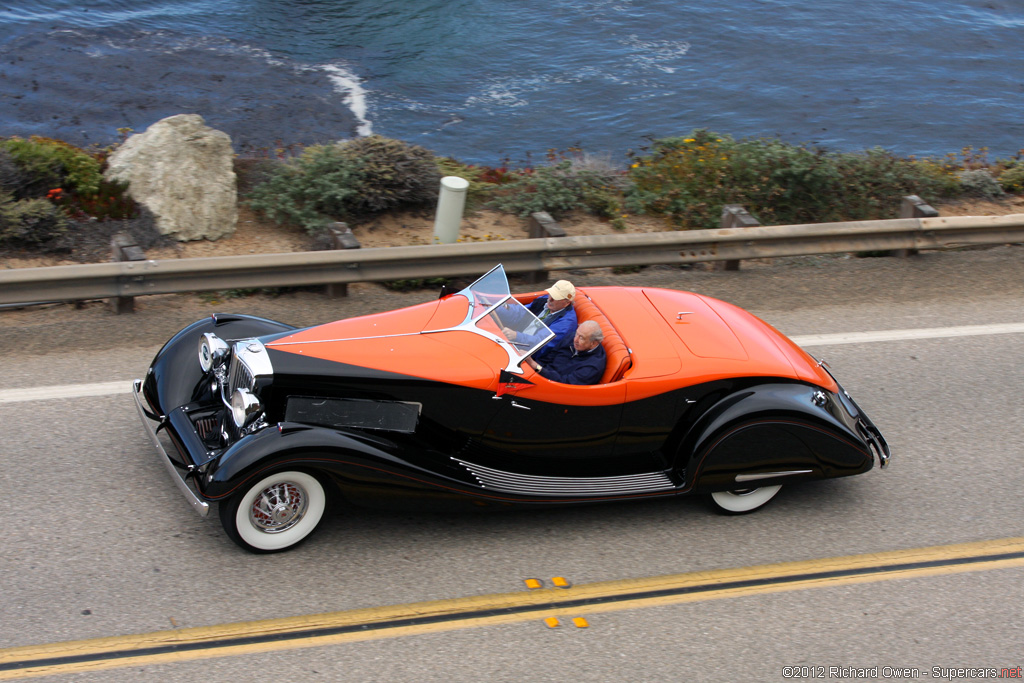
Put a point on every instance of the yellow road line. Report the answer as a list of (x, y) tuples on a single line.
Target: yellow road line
[(470, 612)]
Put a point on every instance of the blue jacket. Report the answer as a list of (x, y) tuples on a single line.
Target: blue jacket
[(562, 323), (568, 366)]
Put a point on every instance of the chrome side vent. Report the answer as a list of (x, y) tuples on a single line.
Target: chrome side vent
[(536, 485)]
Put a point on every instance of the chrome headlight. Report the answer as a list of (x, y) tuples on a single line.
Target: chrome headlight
[(212, 351), (245, 407)]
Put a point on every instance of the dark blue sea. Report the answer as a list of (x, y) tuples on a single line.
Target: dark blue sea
[(486, 80)]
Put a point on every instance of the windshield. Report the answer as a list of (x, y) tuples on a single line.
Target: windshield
[(514, 323), (496, 315), (486, 292)]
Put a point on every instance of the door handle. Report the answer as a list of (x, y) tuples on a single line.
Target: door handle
[(521, 406)]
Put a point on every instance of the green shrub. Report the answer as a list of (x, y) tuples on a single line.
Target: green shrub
[(480, 189), (1012, 179), (690, 179), (46, 164), (110, 202), (568, 185), (979, 183), (30, 222), (348, 181), (251, 172), (11, 176)]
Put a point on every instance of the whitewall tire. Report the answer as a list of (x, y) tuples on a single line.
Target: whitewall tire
[(744, 500)]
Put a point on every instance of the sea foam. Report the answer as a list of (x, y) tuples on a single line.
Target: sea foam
[(353, 95)]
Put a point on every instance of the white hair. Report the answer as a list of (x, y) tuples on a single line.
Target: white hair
[(592, 329)]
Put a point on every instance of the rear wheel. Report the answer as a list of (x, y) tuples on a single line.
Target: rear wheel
[(742, 501), (276, 512)]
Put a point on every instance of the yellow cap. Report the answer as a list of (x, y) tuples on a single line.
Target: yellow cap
[(562, 289)]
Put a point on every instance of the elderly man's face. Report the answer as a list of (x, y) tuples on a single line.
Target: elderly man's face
[(582, 340), (555, 305)]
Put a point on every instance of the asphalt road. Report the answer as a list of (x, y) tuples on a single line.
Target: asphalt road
[(98, 542)]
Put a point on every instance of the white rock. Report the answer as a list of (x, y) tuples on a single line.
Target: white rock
[(181, 170)]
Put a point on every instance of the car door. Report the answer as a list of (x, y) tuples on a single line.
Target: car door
[(552, 429)]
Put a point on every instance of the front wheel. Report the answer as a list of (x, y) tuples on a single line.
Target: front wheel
[(275, 513), (741, 501)]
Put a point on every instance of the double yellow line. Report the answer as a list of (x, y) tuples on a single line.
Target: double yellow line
[(226, 640)]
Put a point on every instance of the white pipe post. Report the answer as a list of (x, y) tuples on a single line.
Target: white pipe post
[(450, 204)]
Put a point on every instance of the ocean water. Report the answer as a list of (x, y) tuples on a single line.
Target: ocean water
[(490, 80)]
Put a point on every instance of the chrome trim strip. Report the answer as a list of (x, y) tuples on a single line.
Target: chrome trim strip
[(345, 339), (200, 506), (538, 485), (768, 475)]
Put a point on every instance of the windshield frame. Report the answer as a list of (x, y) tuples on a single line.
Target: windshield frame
[(486, 295)]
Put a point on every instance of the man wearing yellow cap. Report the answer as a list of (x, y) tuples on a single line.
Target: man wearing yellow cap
[(555, 310)]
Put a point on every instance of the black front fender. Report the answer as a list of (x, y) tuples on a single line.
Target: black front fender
[(174, 375), (340, 455)]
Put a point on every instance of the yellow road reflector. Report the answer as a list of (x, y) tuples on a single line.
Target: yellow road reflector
[(552, 622), (533, 584), (561, 582), (580, 622)]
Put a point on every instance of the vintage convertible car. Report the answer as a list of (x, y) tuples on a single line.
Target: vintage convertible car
[(431, 404)]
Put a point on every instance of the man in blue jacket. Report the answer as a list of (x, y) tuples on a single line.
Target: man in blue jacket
[(580, 360), (555, 310)]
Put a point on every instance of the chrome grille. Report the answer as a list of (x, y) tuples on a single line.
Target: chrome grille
[(536, 485), (239, 375)]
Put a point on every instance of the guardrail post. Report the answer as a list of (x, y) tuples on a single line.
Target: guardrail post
[(541, 225), (123, 248), (735, 216), (341, 238), (913, 206)]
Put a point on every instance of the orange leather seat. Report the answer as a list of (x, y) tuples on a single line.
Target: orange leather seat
[(619, 359)]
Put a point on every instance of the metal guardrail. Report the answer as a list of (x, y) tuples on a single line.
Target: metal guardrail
[(138, 278)]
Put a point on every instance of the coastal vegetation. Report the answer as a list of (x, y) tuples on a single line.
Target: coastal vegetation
[(53, 196), (348, 181), (687, 180)]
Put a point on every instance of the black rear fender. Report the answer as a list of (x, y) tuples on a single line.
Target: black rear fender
[(783, 430)]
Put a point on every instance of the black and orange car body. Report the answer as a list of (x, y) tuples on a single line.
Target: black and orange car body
[(432, 405)]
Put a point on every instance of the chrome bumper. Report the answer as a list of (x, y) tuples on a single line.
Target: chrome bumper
[(200, 506)]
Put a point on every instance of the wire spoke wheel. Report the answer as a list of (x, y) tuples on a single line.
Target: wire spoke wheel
[(278, 507), (276, 512)]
